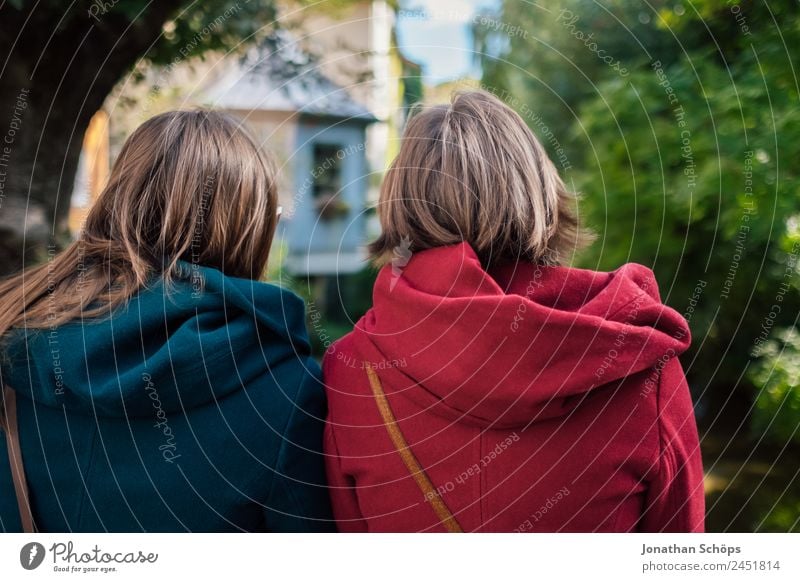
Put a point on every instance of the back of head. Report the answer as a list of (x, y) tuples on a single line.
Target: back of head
[(472, 171), (187, 186)]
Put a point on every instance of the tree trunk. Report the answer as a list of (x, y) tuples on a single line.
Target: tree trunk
[(58, 71), (41, 147)]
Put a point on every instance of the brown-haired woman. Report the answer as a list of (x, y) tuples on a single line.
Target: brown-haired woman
[(151, 382), (490, 388)]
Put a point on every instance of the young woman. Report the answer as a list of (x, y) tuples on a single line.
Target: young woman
[(490, 388), (156, 384)]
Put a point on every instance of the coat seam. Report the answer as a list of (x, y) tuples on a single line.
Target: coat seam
[(662, 449), (85, 493), (636, 297), (483, 511), (277, 473)]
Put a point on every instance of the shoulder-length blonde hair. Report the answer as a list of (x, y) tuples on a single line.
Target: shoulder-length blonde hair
[(187, 185), (473, 171)]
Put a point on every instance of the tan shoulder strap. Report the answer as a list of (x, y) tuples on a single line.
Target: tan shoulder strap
[(412, 464), (8, 424)]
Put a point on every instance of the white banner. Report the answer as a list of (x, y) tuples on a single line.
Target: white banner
[(390, 557)]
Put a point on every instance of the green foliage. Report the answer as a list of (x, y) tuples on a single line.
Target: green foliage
[(413, 90), (192, 28), (777, 410), (548, 65), (199, 27)]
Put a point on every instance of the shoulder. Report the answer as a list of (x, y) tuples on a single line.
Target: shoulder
[(674, 400), (671, 405), (662, 383)]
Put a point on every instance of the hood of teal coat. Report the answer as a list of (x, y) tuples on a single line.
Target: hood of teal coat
[(181, 347)]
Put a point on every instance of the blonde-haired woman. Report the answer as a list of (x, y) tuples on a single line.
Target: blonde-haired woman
[(151, 382), (490, 388)]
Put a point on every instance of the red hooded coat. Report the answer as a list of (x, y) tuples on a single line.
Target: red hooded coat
[(533, 398)]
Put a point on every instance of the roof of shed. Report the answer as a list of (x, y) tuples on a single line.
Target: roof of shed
[(277, 75)]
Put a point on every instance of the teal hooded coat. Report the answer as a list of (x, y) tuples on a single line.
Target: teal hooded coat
[(194, 408)]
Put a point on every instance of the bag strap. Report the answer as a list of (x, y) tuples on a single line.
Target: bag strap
[(8, 424), (447, 519)]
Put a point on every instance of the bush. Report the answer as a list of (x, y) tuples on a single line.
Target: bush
[(777, 408)]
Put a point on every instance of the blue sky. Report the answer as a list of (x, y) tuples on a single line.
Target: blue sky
[(436, 34)]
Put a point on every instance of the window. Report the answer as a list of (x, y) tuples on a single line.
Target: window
[(327, 170), (327, 174)]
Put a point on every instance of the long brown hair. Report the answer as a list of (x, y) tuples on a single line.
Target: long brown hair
[(187, 185), (473, 171)]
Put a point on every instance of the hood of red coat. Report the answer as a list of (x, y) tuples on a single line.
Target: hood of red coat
[(520, 344)]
